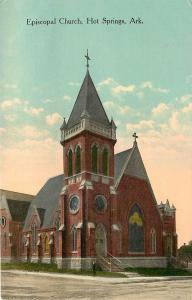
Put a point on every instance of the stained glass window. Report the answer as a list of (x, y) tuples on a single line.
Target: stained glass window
[(135, 230), (46, 244), (74, 204), (100, 203)]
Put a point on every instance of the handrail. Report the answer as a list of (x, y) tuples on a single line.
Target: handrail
[(115, 258), (118, 262)]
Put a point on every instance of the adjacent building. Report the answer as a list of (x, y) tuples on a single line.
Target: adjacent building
[(13, 210)]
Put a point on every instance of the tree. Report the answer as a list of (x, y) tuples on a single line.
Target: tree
[(185, 252)]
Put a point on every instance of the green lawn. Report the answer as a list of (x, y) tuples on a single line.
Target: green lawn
[(160, 271), (41, 267)]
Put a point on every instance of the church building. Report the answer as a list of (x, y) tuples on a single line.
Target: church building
[(102, 208)]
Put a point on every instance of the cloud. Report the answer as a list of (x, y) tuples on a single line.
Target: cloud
[(2, 130), (124, 109), (160, 108), (108, 104), (173, 121), (31, 132), (107, 81), (26, 165), (48, 101), (33, 111), (188, 108), (7, 104), (53, 119), (143, 124), (67, 98), (185, 98), (10, 86), (149, 85), (10, 117), (123, 89), (72, 83)]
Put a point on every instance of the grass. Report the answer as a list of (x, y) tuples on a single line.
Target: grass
[(42, 267), (160, 271)]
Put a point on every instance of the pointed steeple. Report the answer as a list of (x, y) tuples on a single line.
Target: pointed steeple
[(113, 124), (64, 125), (88, 103)]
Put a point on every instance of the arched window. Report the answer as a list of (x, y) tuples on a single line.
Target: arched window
[(57, 226), (70, 163), (78, 160), (135, 230), (153, 241), (46, 244), (34, 236), (74, 238), (94, 158), (105, 162)]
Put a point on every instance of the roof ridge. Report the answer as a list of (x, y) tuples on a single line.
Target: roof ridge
[(124, 151)]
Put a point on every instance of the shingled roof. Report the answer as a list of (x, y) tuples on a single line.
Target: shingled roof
[(88, 104), (46, 202), (18, 209), (120, 159)]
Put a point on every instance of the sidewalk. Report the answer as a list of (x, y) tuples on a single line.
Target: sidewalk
[(131, 279)]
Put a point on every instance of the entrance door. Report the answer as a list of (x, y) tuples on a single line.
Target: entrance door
[(100, 241)]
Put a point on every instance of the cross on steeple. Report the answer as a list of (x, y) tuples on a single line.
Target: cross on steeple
[(135, 136), (87, 58)]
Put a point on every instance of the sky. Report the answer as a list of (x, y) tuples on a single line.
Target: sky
[(143, 74)]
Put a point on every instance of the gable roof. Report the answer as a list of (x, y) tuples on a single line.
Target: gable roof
[(120, 159), (18, 209), (46, 202), (16, 204), (129, 162), (88, 104), (132, 164)]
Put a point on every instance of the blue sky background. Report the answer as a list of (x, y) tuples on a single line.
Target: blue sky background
[(143, 74)]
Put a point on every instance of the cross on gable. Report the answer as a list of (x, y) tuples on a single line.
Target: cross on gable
[(87, 58), (135, 136)]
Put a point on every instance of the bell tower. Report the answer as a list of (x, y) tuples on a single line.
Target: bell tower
[(88, 139)]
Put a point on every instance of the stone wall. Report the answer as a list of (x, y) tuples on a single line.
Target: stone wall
[(143, 262)]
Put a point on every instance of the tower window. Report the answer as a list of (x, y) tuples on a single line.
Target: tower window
[(105, 162), (78, 160), (70, 163), (94, 158)]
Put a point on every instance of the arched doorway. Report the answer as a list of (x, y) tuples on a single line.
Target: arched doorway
[(100, 241)]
